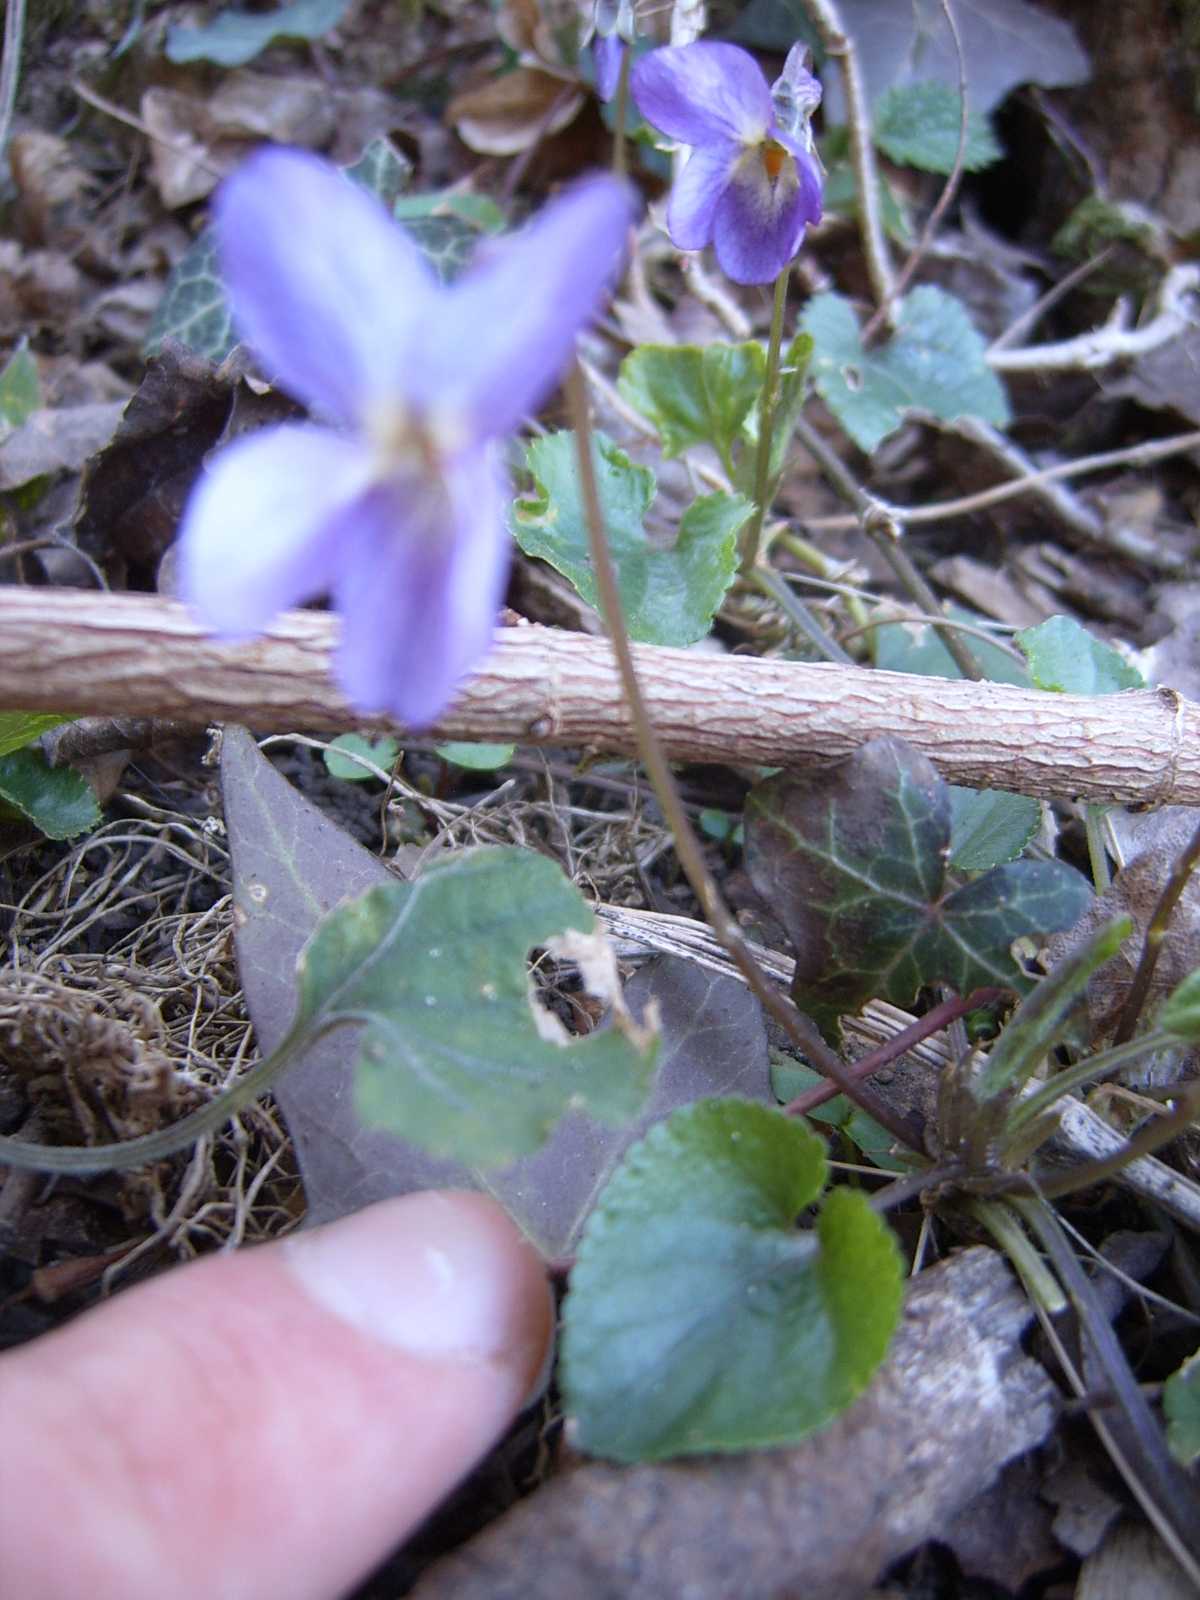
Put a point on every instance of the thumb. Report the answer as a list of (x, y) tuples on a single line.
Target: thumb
[(270, 1422)]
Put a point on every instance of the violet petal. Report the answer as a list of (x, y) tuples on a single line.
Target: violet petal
[(418, 611), (262, 530), (697, 192), (606, 58), (698, 93), (508, 328), (759, 225), (324, 286)]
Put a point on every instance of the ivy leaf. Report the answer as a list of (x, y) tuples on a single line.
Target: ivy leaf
[(452, 1053), (339, 758), (918, 126), (935, 362), (990, 826), (1066, 659), (20, 387), (853, 862), (193, 309), (383, 170), (19, 728), (698, 1317), (669, 595), (695, 394), (58, 801), (1181, 1407), (235, 37)]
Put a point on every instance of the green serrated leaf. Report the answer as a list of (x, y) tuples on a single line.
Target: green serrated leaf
[(435, 972), (476, 757), (19, 728), (20, 387), (193, 308), (669, 596), (695, 394), (235, 37), (990, 826), (339, 756), (698, 1318), (1180, 1012), (59, 801), (917, 647), (935, 361), (382, 170), (1066, 659), (1181, 1407), (917, 125), (853, 862)]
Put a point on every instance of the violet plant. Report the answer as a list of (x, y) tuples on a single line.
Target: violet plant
[(393, 502)]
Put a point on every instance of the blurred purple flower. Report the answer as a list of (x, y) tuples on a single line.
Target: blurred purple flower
[(751, 185), (394, 503)]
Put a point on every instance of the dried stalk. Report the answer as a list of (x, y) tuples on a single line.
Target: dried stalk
[(135, 655)]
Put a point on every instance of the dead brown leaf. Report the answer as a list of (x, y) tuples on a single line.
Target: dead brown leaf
[(513, 112)]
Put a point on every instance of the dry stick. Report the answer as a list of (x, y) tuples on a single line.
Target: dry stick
[(862, 151), (1138, 455), (885, 531), (949, 189), (1156, 932), (798, 1028), (10, 66), (75, 651)]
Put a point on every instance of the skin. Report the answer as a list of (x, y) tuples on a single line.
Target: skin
[(273, 1421)]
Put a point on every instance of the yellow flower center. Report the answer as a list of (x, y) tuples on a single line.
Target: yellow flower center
[(773, 156)]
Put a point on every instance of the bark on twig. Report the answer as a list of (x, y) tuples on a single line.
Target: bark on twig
[(955, 1400), (134, 655)]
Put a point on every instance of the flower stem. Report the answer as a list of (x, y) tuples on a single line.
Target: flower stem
[(620, 163), (766, 427), (798, 1028)]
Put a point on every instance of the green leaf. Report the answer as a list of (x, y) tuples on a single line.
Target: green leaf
[(935, 361), (235, 37), (20, 387), (476, 757), (1066, 659), (990, 826), (917, 125), (19, 728), (1180, 1012), (447, 227), (193, 308), (698, 1318), (853, 862), (380, 752), (382, 170), (841, 190), (695, 394), (917, 647), (1181, 1407), (59, 801), (669, 596), (478, 211), (452, 1054), (791, 1078)]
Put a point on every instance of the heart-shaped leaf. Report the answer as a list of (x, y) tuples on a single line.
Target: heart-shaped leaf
[(669, 595), (695, 394), (1066, 659), (853, 862), (918, 126), (59, 801), (935, 361), (698, 1317)]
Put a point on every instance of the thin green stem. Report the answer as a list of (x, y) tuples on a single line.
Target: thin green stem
[(620, 161), (1040, 1283), (1092, 1070), (766, 426), (1160, 1131), (1093, 821), (1156, 932), (798, 1028)]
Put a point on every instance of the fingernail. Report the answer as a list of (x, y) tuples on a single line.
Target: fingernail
[(441, 1276)]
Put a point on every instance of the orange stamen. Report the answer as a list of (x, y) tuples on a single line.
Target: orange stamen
[(773, 157)]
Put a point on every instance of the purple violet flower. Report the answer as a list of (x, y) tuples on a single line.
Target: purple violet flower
[(394, 502), (750, 186), (606, 58)]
